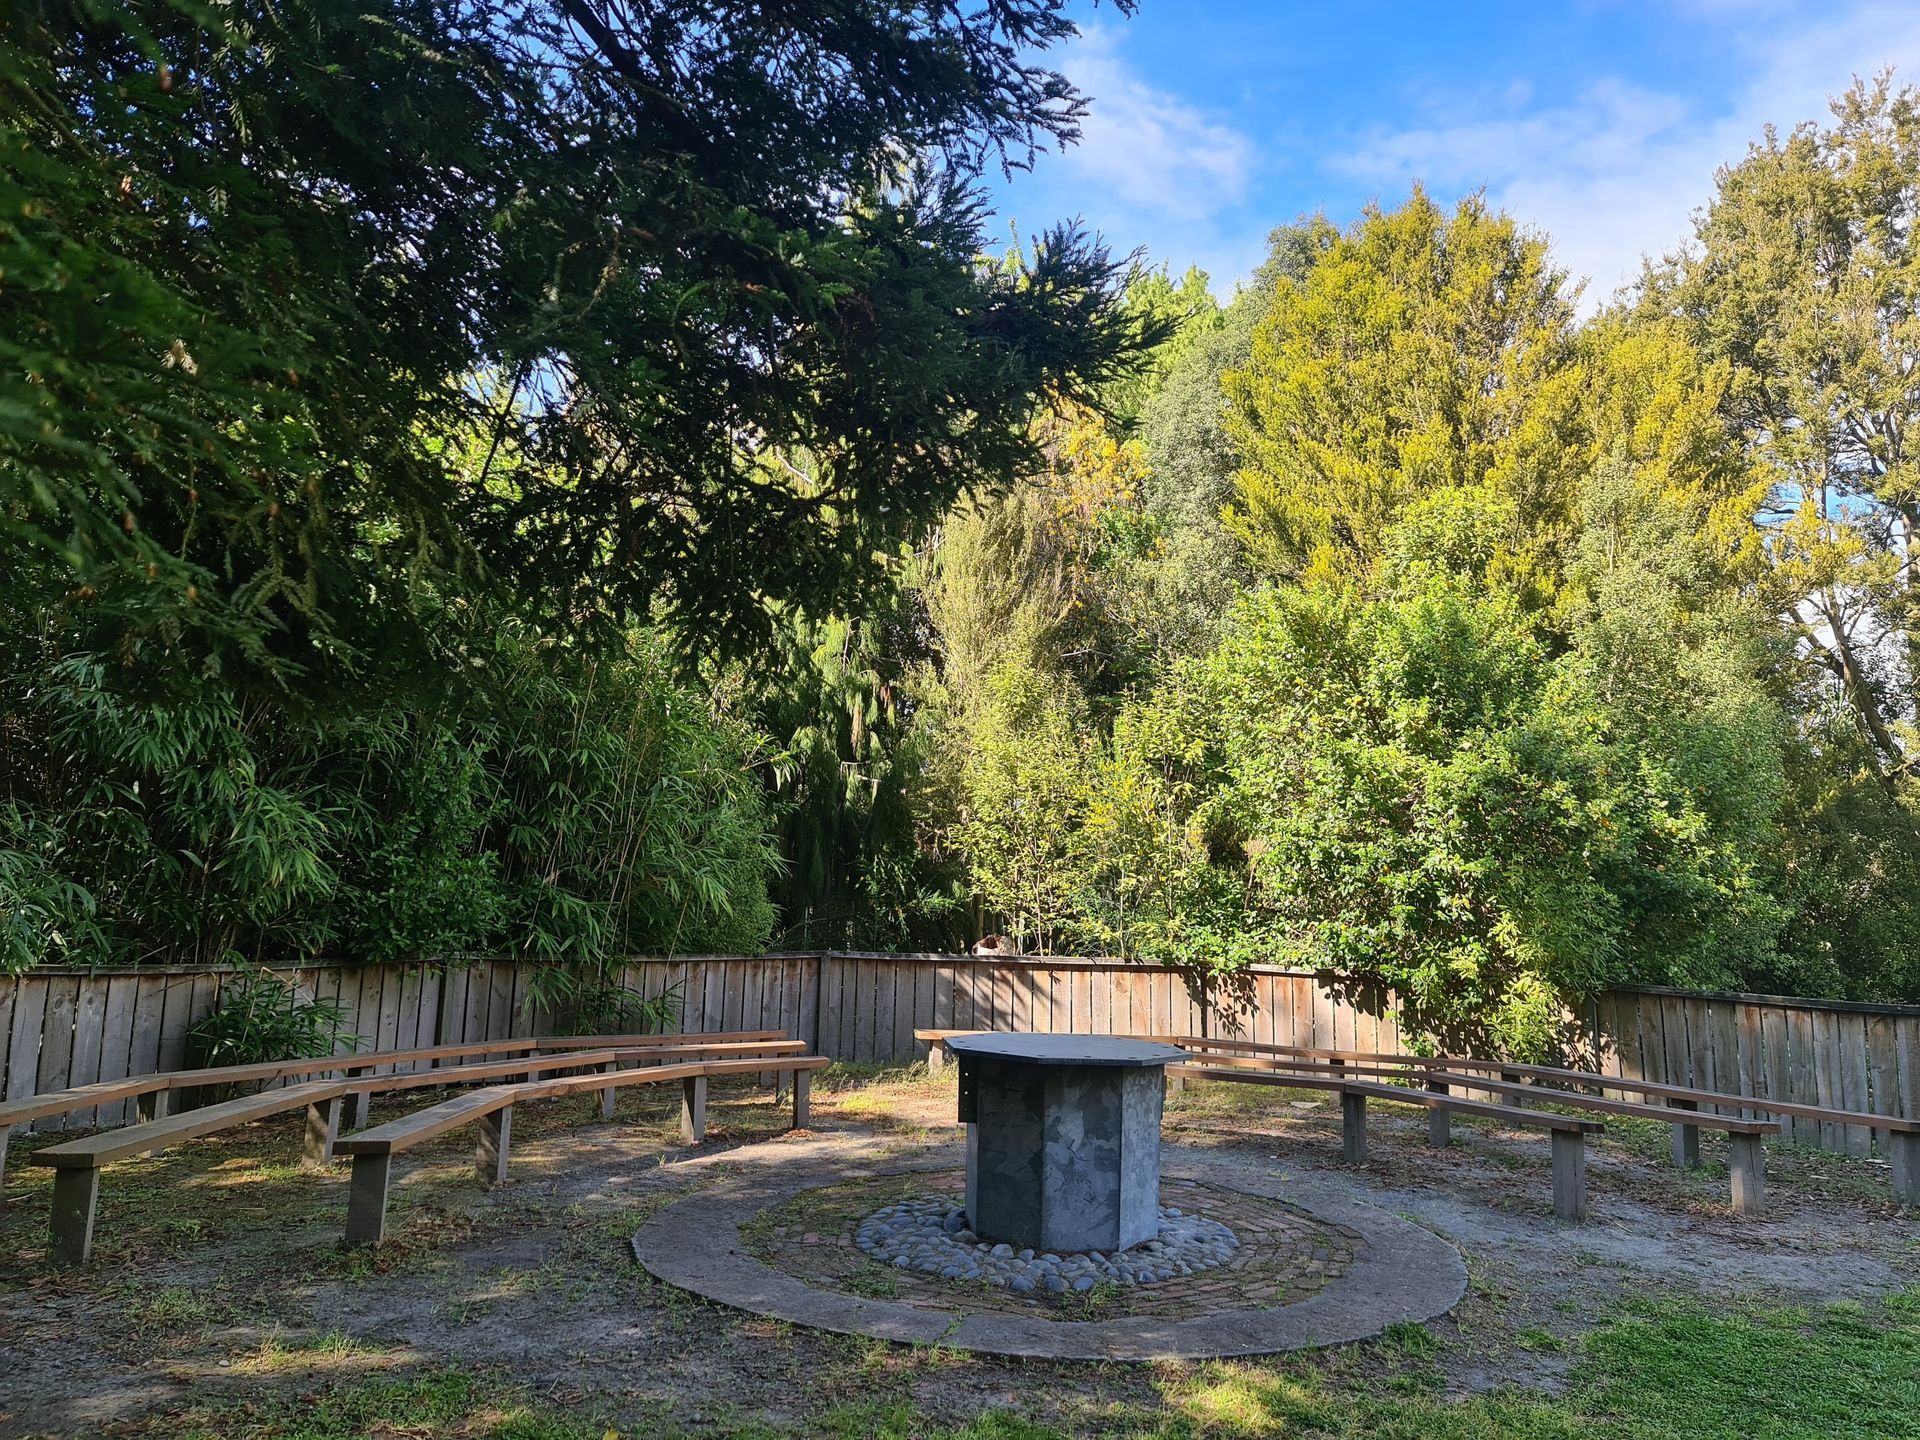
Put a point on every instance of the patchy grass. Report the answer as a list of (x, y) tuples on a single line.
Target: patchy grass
[(1657, 1371), (444, 1403), (332, 1352), (221, 1270)]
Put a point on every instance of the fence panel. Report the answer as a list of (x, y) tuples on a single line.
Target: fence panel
[(67, 1027)]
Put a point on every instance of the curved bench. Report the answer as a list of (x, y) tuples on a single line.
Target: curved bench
[(151, 1092), (77, 1163), (1569, 1133), (1687, 1109), (1747, 1173), (492, 1108)]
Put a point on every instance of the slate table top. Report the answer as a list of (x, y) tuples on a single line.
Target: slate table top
[(1050, 1049)]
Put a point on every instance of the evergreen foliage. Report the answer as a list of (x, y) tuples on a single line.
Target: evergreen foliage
[(384, 386), (255, 263), (1481, 691), (562, 478), (1404, 360)]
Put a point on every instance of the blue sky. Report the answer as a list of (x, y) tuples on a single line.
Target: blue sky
[(1598, 121)]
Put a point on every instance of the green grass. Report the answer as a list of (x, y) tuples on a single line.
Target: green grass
[(1844, 1371), (1655, 1371), (444, 1403)]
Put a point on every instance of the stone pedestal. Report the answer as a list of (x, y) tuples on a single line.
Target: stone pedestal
[(1063, 1139)]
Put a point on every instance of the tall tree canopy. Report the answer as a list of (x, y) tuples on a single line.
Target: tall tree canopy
[(1400, 362), (1805, 279), (308, 307)]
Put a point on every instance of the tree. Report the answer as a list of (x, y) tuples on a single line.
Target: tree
[(1805, 279), (1403, 362), (582, 807), (270, 272), (864, 866), (1190, 457), (1185, 311), (1433, 799), (1195, 569), (1027, 748)]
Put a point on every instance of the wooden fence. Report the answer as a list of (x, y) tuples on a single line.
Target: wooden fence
[(69, 1027)]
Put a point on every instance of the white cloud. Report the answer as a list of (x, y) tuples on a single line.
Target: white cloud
[(1150, 150), (1616, 172)]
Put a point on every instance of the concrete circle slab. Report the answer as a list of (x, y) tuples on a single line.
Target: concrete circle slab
[(1399, 1272)]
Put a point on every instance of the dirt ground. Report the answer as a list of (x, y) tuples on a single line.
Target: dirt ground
[(220, 1273)]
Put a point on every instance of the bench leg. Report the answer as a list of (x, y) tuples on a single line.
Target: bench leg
[(779, 1086), (1747, 1167), (936, 1057), (1176, 1082), (802, 1098), (1686, 1138), (1903, 1150), (367, 1199), (693, 1109), (1439, 1118), (152, 1105), (1353, 1128), (1570, 1174), (76, 1198), (608, 1095), (490, 1151), (6, 1134), (362, 1101), (323, 1128)]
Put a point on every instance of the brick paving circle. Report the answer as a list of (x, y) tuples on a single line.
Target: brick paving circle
[(1285, 1255), (1317, 1267)]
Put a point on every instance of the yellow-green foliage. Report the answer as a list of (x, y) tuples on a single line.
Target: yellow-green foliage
[(1404, 361)]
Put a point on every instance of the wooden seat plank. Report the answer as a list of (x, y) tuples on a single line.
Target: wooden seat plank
[(435, 1120), (93, 1151), (1544, 1093), (1568, 1133), (1543, 1119), (1511, 1113), (373, 1150), (151, 1089), (1719, 1098), (410, 1130), (79, 1097), (716, 1037)]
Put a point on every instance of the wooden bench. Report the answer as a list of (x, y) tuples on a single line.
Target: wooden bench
[(151, 1092), (373, 1150), (536, 1066), (937, 1046), (1746, 1167), (1569, 1133), (76, 1180), (77, 1163), (1902, 1135), (1688, 1109)]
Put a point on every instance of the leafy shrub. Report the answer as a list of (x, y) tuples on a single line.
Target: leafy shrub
[(524, 799), (591, 1001), (260, 1018)]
